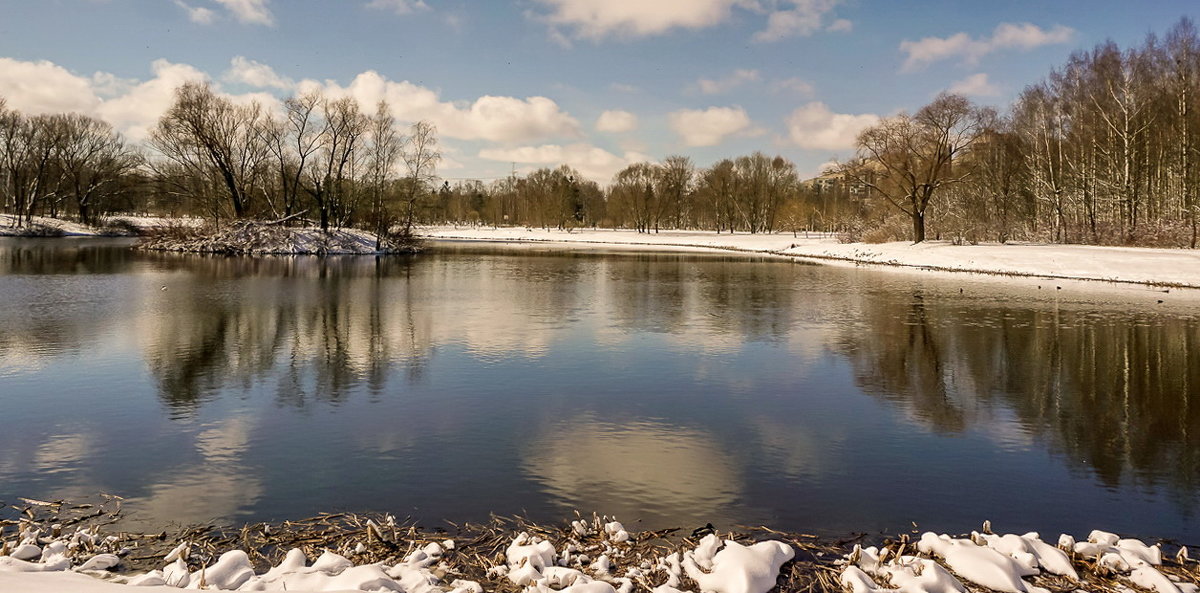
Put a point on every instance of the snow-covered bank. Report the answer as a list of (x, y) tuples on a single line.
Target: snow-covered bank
[(42, 226), (586, 556), (1161, 267), (594, 556), (250, 238)]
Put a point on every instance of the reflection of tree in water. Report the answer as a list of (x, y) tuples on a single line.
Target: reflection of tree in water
[(749, 300), (60, 256), (1117, 394), (318, 328), (49, 317)]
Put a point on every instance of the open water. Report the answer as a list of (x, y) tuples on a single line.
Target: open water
[(668, 389)]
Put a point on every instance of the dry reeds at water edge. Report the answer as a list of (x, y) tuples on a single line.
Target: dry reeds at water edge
[(477, 549), (478, 552)]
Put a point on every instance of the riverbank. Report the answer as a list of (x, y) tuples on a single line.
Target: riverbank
[(1127, 265), (57, 546)]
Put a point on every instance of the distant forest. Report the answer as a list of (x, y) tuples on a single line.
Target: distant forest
[(1104, 150)]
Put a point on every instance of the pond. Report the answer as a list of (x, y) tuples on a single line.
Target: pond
[(668, 389)]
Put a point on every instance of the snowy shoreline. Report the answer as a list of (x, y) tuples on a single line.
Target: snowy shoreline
[(350, 553), (1163, 268), (1167, 268)]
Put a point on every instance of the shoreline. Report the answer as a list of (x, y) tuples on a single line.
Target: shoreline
[(58, 546), (1150, 267), (1138, 266)]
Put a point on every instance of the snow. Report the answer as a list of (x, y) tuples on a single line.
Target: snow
[(1003, 562), (529, 562), (736, 568), (1165, 267)]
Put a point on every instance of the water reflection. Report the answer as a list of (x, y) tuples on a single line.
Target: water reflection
[(1114, 393), (642, 469), (666, 387)]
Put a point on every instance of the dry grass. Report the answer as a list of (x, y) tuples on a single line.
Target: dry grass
[(365, 539), (478, 547)]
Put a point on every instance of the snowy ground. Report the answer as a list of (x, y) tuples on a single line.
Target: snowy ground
[(43, 226), (598, 558), (1163, 267)]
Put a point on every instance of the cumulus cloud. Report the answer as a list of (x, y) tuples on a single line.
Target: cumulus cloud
[(135, 112), (493, 118), (596, 19), (975, 85), (399, 6), (1006, 36), (251, 12), (133, 107), (599, 19), (197, 14), (592, 162), (739, 77), (708, 127), (802, 18), (44, 87), (815, 126), (616, 121), (255, 74)]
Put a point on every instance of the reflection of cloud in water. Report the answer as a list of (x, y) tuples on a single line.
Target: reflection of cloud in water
[(635, 470), (216, 487), (800, 451), (61, 452)]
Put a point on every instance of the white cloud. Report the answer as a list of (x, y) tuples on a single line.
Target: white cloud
[(498, 119), (136, 112), (737, 78), (44, 87), (594, 163), (1022, 36), (815, 126), (596, 19), (708, 127), (132, 107), (616, 121), (251, 12), (197, 14), (599, 19), (975, 85), (399, 6), (796, 86), (804, 18), (624, 88), (255, 74)]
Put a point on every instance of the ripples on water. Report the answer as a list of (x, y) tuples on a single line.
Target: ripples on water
[(669, 389)]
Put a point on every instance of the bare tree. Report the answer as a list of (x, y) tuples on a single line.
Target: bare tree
[(633, 193), (421, 157), (205, 133), (675, 191), (908, 159), (93, 160), (384, 152)]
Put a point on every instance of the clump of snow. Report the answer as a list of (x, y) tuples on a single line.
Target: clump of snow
[(616, 532), (736, 568), (1004, 562)]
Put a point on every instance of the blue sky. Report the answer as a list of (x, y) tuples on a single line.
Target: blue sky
[(530, 81)]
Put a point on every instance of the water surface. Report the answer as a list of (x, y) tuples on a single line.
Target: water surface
[(669, 389)]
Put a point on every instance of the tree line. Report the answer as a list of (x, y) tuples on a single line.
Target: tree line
[(1103, 150)]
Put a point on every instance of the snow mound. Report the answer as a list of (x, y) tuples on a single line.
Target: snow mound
[(1004, 562)]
